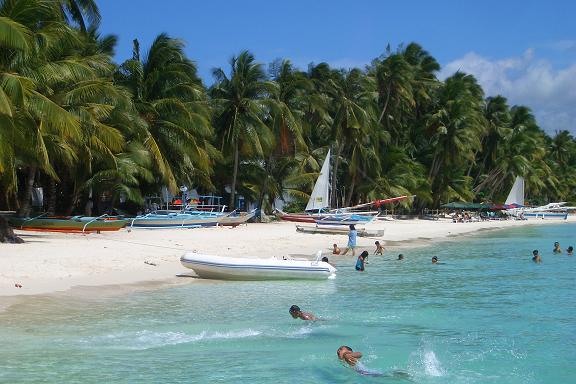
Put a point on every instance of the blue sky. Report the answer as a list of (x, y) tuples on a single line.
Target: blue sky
[(525, 50)]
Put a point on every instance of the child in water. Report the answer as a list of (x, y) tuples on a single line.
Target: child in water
[(557, 248), (361, 262), (379, 248), (570, 251), (335, 250), (536, 257)]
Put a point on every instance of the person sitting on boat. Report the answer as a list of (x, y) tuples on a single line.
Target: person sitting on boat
[(361, 262), (400, 257), (296, 313), (557, 248), (536, 257), (335, 250), (325, 259), (379, 248), (352, 235), (570, 250)]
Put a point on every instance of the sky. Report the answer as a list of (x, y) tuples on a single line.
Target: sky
[(523, 50)]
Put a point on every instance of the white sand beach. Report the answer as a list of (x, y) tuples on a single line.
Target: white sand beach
[(50, 262)]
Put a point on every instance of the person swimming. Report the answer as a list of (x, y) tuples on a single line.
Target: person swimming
[(296, 313), (536, 257), (400, 257), (361, 262), (570, 250), (348, 356), (557, 248), (434, 260)]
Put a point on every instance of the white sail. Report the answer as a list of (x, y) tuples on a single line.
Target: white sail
[(516, 195), (320, 194)]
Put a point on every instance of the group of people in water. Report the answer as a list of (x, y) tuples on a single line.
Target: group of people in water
[(361, 261), (557, 250)]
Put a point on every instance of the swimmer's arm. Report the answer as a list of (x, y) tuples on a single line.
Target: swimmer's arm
[(308, 316), (352, 357)]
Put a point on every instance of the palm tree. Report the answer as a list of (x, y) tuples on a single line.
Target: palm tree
[(172, 102), (242, 103)]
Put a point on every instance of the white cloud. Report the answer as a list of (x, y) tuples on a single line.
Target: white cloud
[(526, 80)]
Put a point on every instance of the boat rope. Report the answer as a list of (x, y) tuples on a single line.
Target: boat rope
[(148, 245)]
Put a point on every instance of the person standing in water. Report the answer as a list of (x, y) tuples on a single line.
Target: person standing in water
[(536, 257), (361, 262), (296, 313), (379, 248), (557, 248), (352, 235)]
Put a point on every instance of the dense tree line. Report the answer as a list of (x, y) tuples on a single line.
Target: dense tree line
[(82, 126)]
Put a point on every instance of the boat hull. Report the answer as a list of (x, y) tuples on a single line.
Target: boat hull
[(229, 268), (68, 224), (174, 221), (233, 221), (546, 215)]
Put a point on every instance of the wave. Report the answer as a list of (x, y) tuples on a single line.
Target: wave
[(143, 340)]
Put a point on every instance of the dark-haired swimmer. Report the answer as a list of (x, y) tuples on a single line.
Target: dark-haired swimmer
[(557, 248), (570, 250), (536, 257), (296, 313)]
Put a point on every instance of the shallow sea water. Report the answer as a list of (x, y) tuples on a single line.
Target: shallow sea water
[(488, 315)]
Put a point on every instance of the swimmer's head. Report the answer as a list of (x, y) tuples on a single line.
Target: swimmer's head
[(294, 311), (556, 244), (340, 352), (335, 245), (364, 255), (570, 249), (325, 259), (400, 257), (377, 242), (434, 259), (535, 252)]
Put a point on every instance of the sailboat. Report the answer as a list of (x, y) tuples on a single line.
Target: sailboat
[(515, 204), (318, 207)]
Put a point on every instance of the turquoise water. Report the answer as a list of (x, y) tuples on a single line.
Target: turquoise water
[(488, 315)]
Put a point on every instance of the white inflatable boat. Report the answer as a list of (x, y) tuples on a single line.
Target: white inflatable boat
[(236, 268)]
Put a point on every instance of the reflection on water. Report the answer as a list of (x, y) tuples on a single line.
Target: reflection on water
[(487, 315)]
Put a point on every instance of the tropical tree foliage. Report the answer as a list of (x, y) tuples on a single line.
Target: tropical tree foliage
[(96, 134)]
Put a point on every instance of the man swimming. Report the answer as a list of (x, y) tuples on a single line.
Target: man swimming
[(434, 260), (570, 250), (536, 257), (400, 257), (346, 354), (296, 313)]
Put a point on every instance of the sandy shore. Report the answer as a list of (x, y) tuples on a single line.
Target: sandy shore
[(50, 262)]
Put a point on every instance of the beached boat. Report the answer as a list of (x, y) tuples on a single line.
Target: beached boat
[(344, 220), (175, 220), (338, 230), (236, 218), (68, 223), (515, 200), (236, 268)]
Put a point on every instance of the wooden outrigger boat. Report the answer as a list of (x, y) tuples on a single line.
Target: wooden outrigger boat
[(69, 224), (338, 230), (236, 218)]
